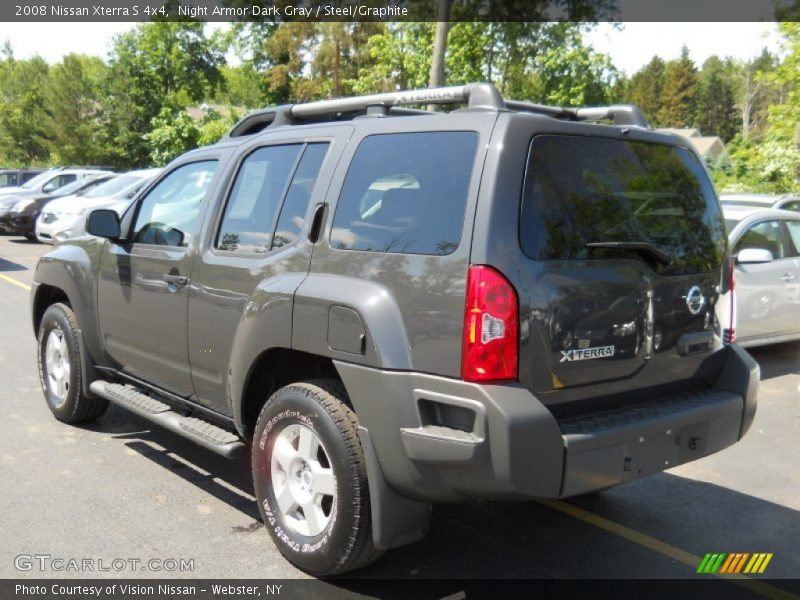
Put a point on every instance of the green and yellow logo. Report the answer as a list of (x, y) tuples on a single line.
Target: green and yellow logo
[(737, 562)]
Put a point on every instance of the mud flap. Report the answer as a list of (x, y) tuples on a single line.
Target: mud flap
[(396, 521)]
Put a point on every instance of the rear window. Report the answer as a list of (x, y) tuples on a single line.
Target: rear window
[(582, 190), (406, 193)]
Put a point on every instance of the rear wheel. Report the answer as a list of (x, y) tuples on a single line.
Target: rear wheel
[(310, 478), (60, 368)]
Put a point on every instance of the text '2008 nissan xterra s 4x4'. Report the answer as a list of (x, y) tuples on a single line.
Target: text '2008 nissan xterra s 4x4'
[(392, 307)]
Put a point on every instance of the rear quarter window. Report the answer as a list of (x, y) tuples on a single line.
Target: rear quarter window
[(580, 190), (406, 193)]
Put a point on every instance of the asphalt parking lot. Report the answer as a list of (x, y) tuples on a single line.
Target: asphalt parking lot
[(119, 488)]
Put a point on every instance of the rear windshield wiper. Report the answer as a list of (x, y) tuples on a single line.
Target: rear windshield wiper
[(645, 247)]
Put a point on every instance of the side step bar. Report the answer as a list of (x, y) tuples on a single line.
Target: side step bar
[(201, 432)]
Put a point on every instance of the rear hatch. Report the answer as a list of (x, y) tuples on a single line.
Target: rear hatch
[(624, 245)]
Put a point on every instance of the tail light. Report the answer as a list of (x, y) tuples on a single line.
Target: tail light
[(490, 327), (729, 334)]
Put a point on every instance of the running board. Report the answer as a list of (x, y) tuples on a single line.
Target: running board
[(201, 432)]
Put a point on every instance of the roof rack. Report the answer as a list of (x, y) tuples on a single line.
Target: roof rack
[(477, 96)]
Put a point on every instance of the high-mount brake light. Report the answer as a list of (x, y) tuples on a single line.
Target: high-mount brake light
[(490, 350)]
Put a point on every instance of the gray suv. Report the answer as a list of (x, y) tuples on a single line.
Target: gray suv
[(389, 307)]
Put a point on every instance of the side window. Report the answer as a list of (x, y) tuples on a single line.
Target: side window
[(168, 215), (794, 233), (793, 205), (252, 207), (293, 212), (57, 182), (765, 235), (406, 192)]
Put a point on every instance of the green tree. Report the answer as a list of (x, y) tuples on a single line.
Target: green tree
[(240, 87), (73, 105), (173, 132), (679, 93), (716, 112), (341, 55), (401, 57), (645, 89), (24, 135), (156, 66)]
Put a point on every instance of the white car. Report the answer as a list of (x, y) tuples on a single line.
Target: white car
[(65, 218), (766, 247), (785, 202)]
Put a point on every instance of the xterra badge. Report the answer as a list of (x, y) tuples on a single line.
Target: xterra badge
[(586, 353)]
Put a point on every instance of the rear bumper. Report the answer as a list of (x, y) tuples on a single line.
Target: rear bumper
[(439, 439)]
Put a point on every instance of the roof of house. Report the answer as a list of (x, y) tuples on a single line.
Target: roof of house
[(705, 144), (687, 132)]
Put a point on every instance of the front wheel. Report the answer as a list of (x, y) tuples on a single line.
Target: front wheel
[(310, 478), (59, 357)]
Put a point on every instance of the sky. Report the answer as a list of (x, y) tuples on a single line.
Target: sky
[(630, 48)]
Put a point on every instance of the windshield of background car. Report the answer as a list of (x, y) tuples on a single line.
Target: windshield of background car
[(580, 190), (41, 178), (114, 187)]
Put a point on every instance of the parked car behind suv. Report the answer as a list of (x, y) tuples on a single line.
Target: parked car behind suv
[(65, 217), (17, 177), (394, 307), (42, 185), (21, 217), (782, 202), (766, 245)]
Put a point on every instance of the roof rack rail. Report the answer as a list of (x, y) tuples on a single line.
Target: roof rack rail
[(619, 114), (475, 95)]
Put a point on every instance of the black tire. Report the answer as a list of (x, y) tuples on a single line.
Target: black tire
[(74, 406), (346, 542)]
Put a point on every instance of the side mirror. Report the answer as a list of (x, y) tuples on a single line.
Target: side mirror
[(103, 223), (753, 255)]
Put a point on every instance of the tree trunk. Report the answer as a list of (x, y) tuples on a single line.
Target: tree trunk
[(440, 45), (337, 81)]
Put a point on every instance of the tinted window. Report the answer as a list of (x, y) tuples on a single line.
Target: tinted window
[(293, 212), (406, 192), (766, 236), (583, 190), (255, 199), (168, 215), (794, 233)]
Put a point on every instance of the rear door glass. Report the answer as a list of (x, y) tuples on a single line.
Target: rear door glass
[(581, 190), (406, 193)]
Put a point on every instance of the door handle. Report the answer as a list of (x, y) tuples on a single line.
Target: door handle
[(177, 280), (787, 277)]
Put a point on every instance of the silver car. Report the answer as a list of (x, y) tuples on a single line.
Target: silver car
[(783, 202), (766, 245)]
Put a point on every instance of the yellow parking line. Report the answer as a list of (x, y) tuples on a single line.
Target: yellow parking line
[(664, 549), (15, 282)]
